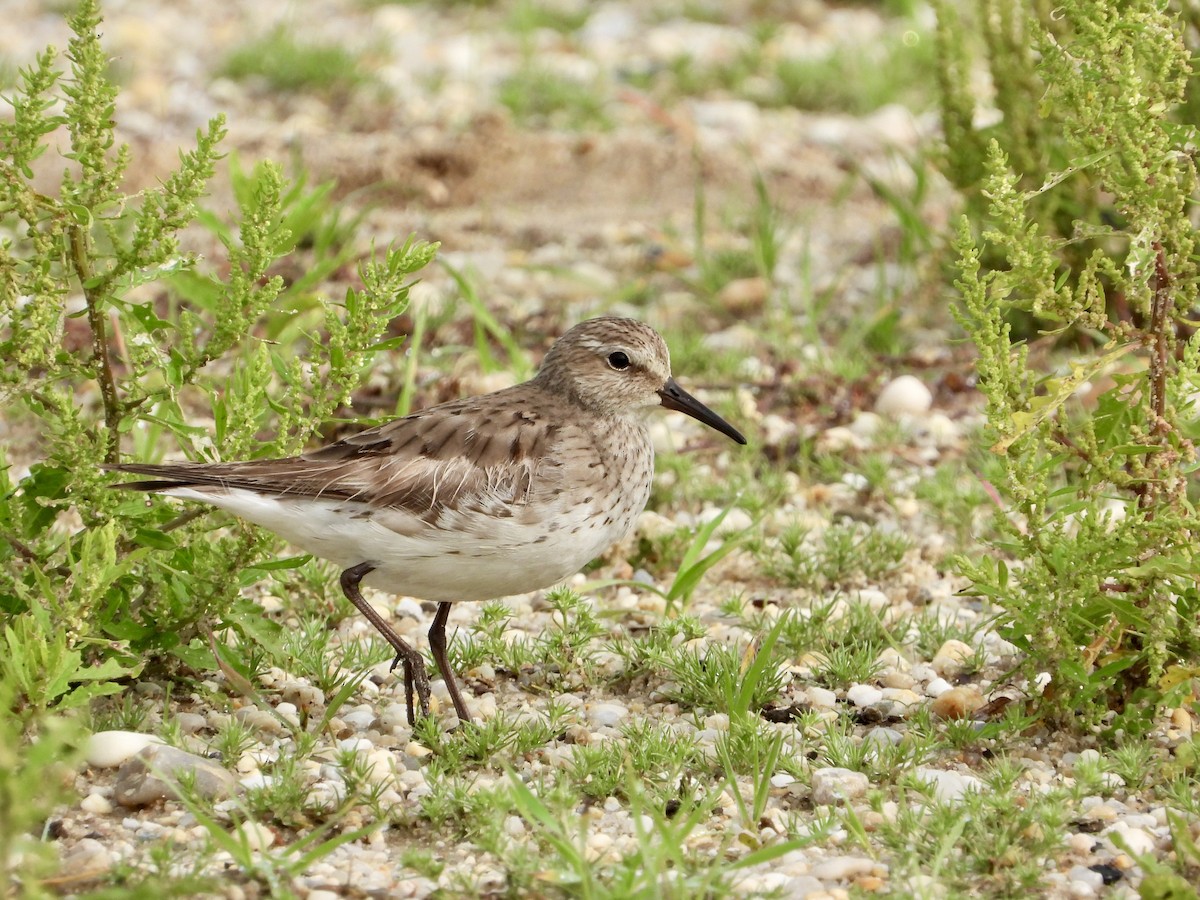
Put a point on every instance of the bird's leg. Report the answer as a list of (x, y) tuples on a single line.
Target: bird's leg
[(415, 678), (437, 643)]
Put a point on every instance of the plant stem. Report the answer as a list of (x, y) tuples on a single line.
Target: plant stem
[(1158, 328), (96, 320)]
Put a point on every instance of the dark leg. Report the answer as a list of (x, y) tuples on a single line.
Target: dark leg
[(415, 679), (437, 643)]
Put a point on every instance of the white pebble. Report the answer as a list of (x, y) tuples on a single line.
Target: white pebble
[(256, 781), (866, 424), (514, 826), (255, 835), (108, 749), (1086, 875), (951, 657), (606, 714), (942, 430), (864, 695), (822, 697), (1138, 841), (948, 787), (96, 804), (843, 868), (937, 687), (904, 396), (833, 784), (876, 599)]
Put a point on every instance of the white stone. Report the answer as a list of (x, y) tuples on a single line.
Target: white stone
[(937, 687), (864, 695), (942, 430), (1139, 842), (109, 749), (822, 697), (833, 784), (866, 424), (875, 599), (255, 835), (951, 658), (839, 438), (948, 787), (904, 396), (1086, 875), (652, 525), (256, 781), (96, 804), (514, 826), (843, 868), (606, 714)]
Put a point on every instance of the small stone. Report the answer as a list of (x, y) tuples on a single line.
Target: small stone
[(904, 396), (883, 737), (893, 661), (360, 718), (155, 773), (951, 658), (256, 781), (834, 784), (948, 787), (514, 826), (937, 687), (260, 720), (744, 295), (606, 714), (1102, 812), (838, 439), (1081, 843), (821, 697), (866, 425), (87, 860), (900, 701), (1085, 875), (255, 835), (108, 749), (958, 703), (876, 599), (652, 525), (864, 695), (843, 868), (1138, 842), (901, 681), (942, 430), (190, 723), (97, 804)]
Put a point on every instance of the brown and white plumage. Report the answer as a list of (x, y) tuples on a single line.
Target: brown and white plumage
[(494, 495)]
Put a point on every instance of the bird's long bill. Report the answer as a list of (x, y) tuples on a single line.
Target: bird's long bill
[(676, 398)]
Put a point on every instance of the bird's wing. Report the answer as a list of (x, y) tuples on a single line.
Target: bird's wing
[(459, 456)]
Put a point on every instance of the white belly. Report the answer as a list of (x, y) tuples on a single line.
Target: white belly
[(460, 558)]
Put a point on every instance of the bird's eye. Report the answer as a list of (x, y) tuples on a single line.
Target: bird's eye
[(618, 360)]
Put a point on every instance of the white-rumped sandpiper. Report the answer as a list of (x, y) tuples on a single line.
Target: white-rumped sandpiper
[(500, 494)]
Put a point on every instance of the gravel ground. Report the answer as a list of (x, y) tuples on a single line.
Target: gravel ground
[(552, 221)]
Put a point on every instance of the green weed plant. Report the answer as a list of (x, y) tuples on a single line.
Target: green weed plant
[(1079, 221)]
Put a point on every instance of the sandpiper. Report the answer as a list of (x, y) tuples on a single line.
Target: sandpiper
[(500, 494)]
